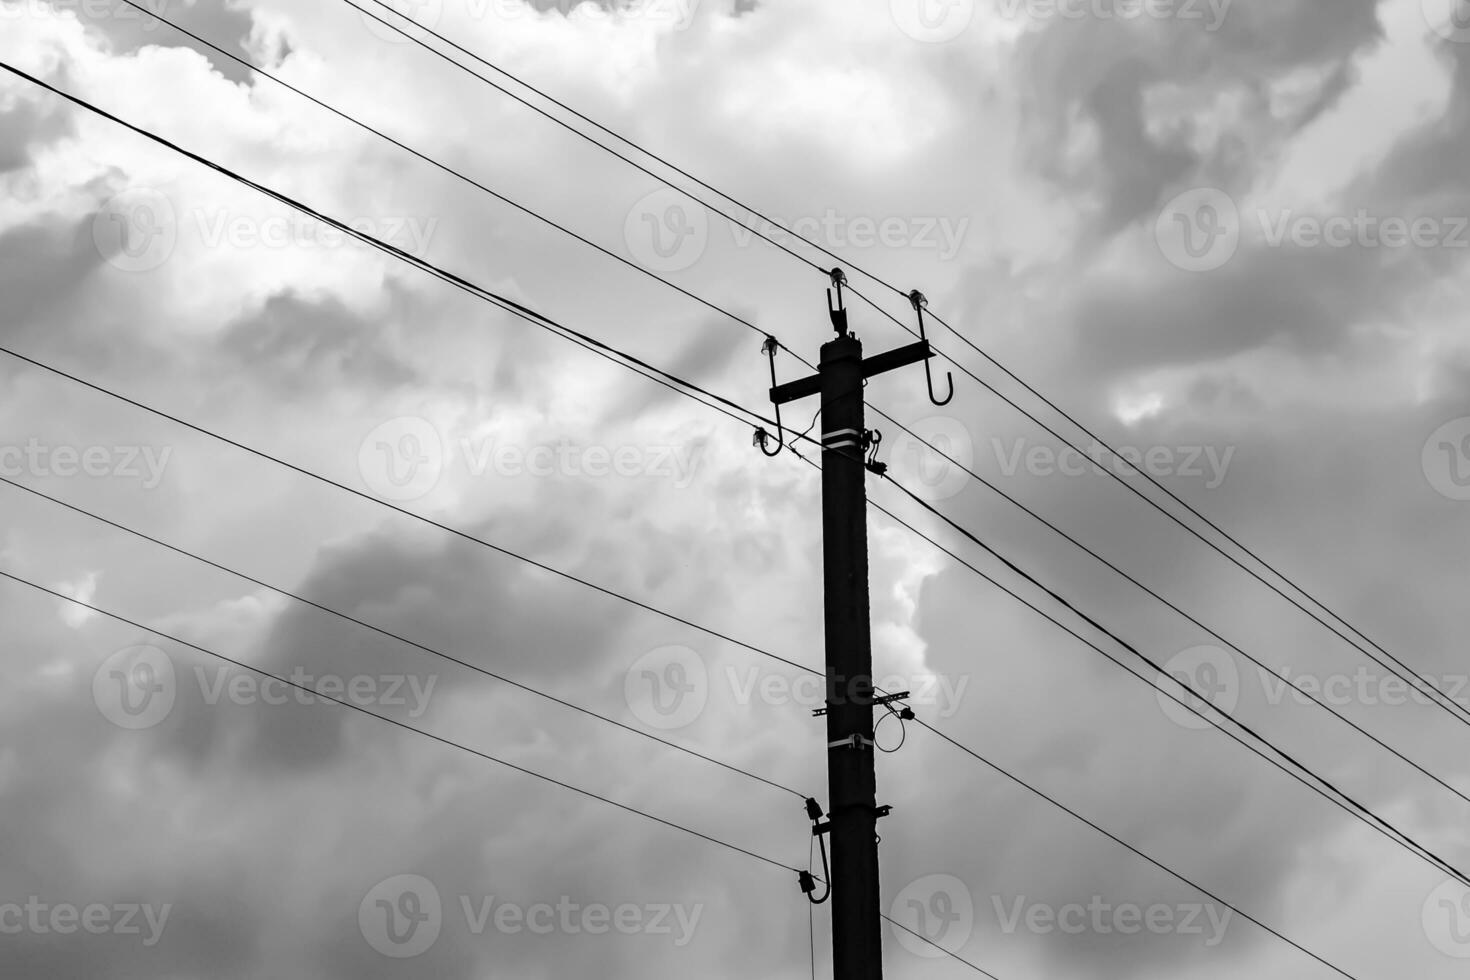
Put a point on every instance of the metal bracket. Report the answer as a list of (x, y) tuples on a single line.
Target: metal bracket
[(853, 741), (879, 702)]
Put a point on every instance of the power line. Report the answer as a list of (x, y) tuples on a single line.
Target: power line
[(459, 174), (505, 303), (510, 305), (1136, 851), (562, 123), (625, 141), (1418, 680), (1182, 612), (746, 323), (1351, 805), (950, 953), (1396, 667), (514, 308), (395, 636), (393, 721), (1448, 703)]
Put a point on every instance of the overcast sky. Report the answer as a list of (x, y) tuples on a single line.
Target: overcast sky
[(1229, 236)]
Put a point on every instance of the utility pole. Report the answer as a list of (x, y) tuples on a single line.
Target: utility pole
[(857, 939)]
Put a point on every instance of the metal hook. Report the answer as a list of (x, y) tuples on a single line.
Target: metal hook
[(769, 348), (919, 302), (838, 312)]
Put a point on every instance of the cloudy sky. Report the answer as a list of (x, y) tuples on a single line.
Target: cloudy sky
[(1228, 235)]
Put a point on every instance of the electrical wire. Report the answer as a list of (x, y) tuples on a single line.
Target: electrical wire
[(1395, 666), (393, 721), (627, 142), (952, 955), (510, 305), (1421, 683), (1448, 701), (297, 597), (989, 485), (560, 122), (452, 171), (1135, 851), (1347, 802)]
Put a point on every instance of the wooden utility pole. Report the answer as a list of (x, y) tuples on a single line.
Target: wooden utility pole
[(857, 940)]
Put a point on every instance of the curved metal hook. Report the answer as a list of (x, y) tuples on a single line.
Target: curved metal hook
[(919, 302), (769, 348)]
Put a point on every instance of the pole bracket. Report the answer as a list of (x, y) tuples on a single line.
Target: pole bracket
[(853, 741)]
